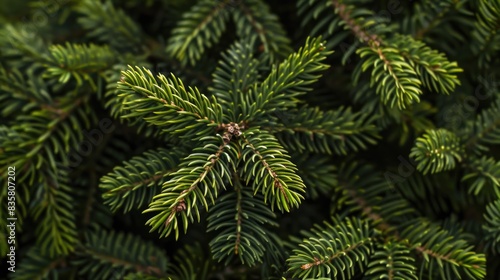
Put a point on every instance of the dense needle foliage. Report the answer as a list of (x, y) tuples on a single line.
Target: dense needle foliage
[(251, 139)]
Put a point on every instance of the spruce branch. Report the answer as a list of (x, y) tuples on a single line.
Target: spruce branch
[(254, 17), (484, 130), (432, 67), (454, 256), (20, 93), (335, 249), (236, 73), (109, 25), (53, 207), (397, 73), (79, 62), (430, 14), (485, 34), (366, 192), (167, 103), (45, 136), (392, 217), (207, 20), (392, 261), (134, 184), (114, 103), (201, 175), (483, 175), (238, 218), (332, 132), (193, 262), (36, 265), (92, 213), (267, 165), (492, 226), (23, 46), (291, 79), (395, 79), (438, 150), (432, 188), (106, 255)]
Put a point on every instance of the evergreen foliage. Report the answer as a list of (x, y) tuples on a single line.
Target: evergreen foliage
[(251, 139)]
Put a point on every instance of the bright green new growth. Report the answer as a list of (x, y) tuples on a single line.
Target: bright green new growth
[(437, 151), (238, 147), (400, 64)]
